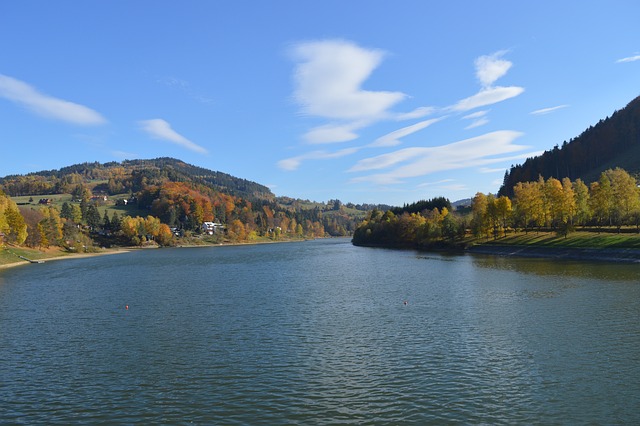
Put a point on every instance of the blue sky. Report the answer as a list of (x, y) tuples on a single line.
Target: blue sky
[(363, 101)]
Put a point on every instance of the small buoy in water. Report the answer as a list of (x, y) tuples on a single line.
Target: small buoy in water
[(126, 307)]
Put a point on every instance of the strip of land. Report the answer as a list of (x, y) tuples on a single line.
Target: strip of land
[(12, 257), (628, 255), (605, 246)]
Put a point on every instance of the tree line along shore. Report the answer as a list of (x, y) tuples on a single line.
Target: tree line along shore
[(548, 214)]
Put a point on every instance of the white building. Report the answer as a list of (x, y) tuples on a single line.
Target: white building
[(212, 227)]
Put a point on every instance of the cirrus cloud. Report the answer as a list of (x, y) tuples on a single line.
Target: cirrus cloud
[(290, 164), (333, 133), (393, 138), (26, 95), (487, 96), (544, 111), (489, 68), (158, 128), (628, 59), (482, 150)]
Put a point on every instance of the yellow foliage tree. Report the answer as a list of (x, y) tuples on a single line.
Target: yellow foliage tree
[(12, 224)]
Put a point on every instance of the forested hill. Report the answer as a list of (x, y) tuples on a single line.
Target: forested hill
[(612, 142), (130, 176)]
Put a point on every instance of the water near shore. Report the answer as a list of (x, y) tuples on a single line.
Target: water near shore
[(319, 332)]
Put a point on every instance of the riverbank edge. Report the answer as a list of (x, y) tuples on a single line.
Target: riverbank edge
[(64, 256), (619, 255), (120, 250)]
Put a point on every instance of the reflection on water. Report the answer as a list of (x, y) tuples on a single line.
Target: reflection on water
[(580, 269), (318, 332)]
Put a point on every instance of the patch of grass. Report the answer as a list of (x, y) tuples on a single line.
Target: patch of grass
[(579, 239), (11, 254), (57, 199)]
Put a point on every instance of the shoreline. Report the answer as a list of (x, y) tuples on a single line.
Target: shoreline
[(615, 255), (120, 250), (619, 255), (66, 256)]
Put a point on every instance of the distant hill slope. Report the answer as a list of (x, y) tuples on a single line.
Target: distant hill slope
[(129, 175), (613, 142)]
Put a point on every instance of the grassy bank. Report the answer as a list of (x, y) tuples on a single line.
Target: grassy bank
[(11, 255), (578, 240)]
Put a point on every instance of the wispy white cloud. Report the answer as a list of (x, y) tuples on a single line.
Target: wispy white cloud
[(479, 119), (487, 96), (293, 163), (440, 182), (390, 139), (328, 81), (448, 185), (477, 114), (47, 106), (628, 59), (455, 187), (547, 110), (333, 133), (158, 128), (489, 68), (419, 161), (477, 123), (393, 138), (489, 170), (415, 114), (329, 76)]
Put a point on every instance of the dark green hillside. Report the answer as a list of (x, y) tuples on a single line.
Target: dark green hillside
[(612, 142)]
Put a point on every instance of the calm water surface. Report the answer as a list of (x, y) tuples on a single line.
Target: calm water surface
[(318, 333)]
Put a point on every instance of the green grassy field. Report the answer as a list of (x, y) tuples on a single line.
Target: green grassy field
[(11, 254), (578, 239), (58, 199)]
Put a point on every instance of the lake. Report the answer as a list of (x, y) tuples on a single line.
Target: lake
[(318, 332)]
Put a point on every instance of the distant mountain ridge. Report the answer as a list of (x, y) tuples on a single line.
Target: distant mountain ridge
[(612, 142), (152, 171)]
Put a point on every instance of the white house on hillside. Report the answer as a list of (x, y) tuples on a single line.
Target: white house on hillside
[(212, 227)]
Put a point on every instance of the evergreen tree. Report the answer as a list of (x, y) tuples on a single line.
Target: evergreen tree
[(93, 217), (106, 223), (66, 211), (115, 222)]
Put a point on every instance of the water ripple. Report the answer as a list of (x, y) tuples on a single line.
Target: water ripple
[(315, 333)]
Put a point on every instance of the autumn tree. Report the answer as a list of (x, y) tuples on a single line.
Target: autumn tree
[(581, 195), (480, 222), (528, 204), (504, 211), (52, 225), (165, 236), (553, 201), (12, 224), (624, 193), (32, 218), (237, 231), (600, 200)]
